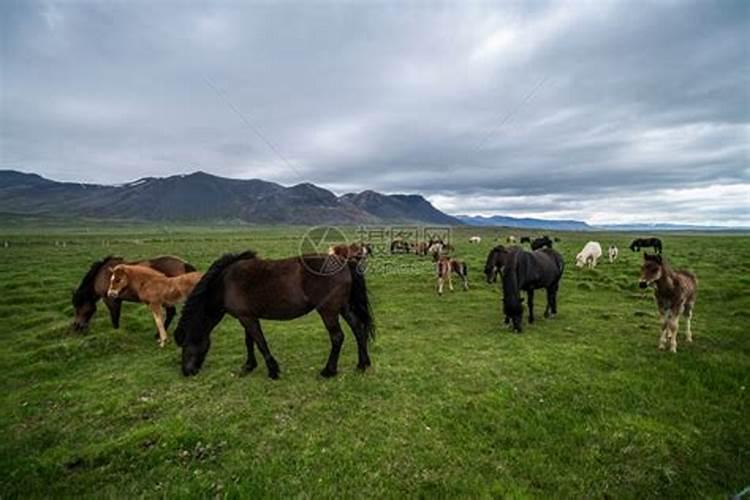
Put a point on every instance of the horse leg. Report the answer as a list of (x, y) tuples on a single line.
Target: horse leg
[(530, 294), (664, 319), (252, 326), (360, 335), (251, 363), (171, 311), (450, 280), (688, 319), (440, 285), (331, 322), (159, 320), (465, 280), (673, 325), (114, 306)]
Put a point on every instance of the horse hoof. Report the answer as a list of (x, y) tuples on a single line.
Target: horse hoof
[(327, 373), (273, 375), (363, 366), (247, 370)]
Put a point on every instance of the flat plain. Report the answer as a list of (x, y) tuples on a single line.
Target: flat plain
[(583, 405)]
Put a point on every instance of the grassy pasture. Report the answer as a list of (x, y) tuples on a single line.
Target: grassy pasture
[(580, 406)]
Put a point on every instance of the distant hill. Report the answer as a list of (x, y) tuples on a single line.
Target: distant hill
[(205, 197), (524, 223)]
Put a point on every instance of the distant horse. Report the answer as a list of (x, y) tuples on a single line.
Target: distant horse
[(591, 253), (542, 242), (95, 283), (511, 239), (399, 245), (556, 239), (675, 293), (445, 267), (525, 239), (356, 251), (496, 260), (153, 289), (528, 271), (475, 240), (613, 253), (421, 248), (251, 289), (640, 243)]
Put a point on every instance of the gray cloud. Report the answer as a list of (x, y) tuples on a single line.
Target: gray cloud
[(539, 109)]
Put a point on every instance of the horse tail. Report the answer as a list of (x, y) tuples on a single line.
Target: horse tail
[(359, 301), (204, 307), (464, 269)]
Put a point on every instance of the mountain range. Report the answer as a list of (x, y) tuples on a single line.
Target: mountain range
[(206, 197), (524, 223)]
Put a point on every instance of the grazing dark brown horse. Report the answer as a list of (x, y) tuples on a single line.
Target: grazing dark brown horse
[(95, 283), (251, 289), (528, 271), (675, 293)]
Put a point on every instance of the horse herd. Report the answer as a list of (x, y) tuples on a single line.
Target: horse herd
[(251, 289)]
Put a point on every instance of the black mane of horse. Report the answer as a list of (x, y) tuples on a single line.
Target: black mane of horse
[(85, 291), (195, 308), (528, 271)]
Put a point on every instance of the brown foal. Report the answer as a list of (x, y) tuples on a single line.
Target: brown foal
[(675, 293), (153, 289)]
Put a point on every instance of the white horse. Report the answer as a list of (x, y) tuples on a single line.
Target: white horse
[(591, 252), (613, 253), (475, 239)]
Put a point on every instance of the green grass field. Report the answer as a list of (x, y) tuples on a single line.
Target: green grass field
[(455, 405)]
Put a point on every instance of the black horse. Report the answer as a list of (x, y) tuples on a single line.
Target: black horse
[(639, 243), (542, 242), (528, 271), (251, 289), (525, 239), (496, 260)]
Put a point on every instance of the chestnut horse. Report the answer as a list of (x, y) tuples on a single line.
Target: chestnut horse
[(675, 293), (153, 289), (351, 251), (95, 283), (251, 289)]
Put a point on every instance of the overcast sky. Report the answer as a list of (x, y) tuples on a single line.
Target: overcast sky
[(602, 111)]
